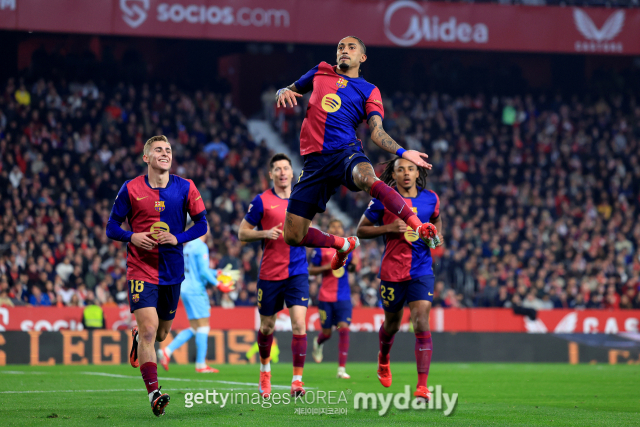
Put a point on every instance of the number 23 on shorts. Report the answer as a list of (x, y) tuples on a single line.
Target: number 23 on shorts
[(390, 296)]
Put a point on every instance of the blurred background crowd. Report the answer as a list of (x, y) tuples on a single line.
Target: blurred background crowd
[(538, 194)]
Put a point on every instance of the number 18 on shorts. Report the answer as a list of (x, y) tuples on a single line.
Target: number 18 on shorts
[(164, 298)]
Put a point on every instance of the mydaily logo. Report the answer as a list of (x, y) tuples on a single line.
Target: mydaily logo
[(405, 400)]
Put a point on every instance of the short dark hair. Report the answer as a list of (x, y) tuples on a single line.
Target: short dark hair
[(364, 48), (277, 158)]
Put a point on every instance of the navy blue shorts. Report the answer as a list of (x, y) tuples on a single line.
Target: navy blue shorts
[(331, 313), (321, 176), (272, 294), (164, 298), (394, 294)]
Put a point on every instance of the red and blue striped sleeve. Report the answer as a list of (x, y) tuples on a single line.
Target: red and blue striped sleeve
[(119, 211), (316, 259), (375, 211), (255, 212), (436, 210), (305, 82), (195, 205), (373, 106)]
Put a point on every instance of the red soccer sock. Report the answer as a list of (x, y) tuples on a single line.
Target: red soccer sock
[(386, 341), (299, 351), (264, 347), (149, 372), (343, 347), (423, 351), (319, 239), (322, 337), (394, 202)]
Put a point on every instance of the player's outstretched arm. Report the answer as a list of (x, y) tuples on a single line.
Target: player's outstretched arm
[(288, 94), (247, 232), (368, 230), (382, 139)]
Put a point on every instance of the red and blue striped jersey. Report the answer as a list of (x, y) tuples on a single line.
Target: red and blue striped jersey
[(335, 283), (405, 255), (338, 104), (152, 210), (279, 260)]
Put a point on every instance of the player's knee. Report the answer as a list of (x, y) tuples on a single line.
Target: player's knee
[(298, 327), (161, 335), (267, 326), (326, 332), (147, 333), (421, 324), (391, 327), (292, 237), (364, 182)]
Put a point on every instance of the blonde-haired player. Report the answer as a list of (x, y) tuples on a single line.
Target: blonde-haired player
[(156, 206)]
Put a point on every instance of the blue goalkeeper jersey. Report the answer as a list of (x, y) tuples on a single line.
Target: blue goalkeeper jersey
[(196, 268)]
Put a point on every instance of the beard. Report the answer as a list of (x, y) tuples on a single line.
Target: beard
[(343, 66)]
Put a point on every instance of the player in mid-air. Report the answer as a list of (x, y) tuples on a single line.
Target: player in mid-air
[(156, 206), (333, 156), (284, 273), (334, 298), (196, 301), (406, 273)]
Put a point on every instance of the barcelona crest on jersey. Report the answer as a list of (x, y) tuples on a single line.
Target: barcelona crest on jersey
[(159, 206), (341, 83)]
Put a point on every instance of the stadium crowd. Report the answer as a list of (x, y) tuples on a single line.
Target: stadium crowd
[(538, 196)]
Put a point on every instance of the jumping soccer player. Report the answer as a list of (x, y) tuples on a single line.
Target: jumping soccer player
[(333, 156), (284, 273), (156, 206), (334, 300), (196, 302), (406, 273)]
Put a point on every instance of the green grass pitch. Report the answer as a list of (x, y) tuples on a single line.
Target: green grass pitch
[(488, 394)]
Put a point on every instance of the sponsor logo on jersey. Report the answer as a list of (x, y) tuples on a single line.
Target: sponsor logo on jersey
[(331, 103), (159, 207), (339, 272), (158, 227), (411, 235)]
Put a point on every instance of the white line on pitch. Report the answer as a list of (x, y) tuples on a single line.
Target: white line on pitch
[(105, 374)]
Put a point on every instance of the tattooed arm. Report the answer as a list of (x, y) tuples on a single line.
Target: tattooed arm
[(382, 139)]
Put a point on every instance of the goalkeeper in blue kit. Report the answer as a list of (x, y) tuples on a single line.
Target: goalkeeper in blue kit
[(196, 301)]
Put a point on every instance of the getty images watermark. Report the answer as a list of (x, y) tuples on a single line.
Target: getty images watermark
[(336, 402)]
